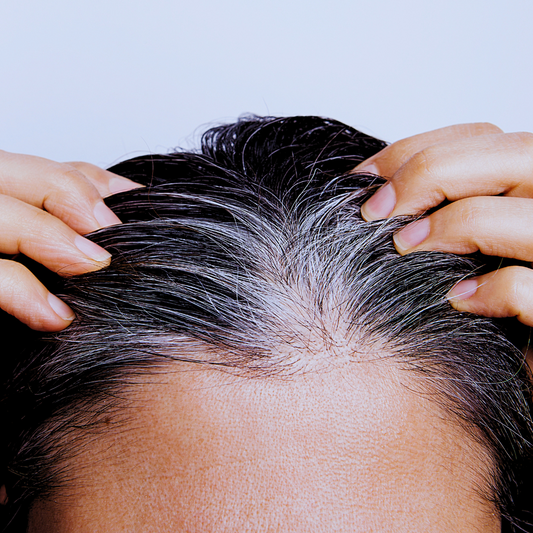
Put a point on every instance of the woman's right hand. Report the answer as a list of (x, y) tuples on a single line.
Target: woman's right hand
[(45, 208)]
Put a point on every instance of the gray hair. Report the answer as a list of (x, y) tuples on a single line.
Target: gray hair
[(248, 256)]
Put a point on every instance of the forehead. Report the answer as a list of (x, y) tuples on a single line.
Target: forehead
[(350, 449)]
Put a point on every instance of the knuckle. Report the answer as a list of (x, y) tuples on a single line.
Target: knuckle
[(72, 175), (398, 153), (71, 192), (12, 275), (38, 230), (522, 141), (469, 214), (518, 282), (69, 180), (526, 139), (38, 219), (400, 150), (76, 164), (425, 164), (487, 127), (84, 169), (12, 269)]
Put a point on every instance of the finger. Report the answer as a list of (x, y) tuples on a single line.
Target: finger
[(105, 182), (497, 226), (60, 189), (507, 292), (391, 158), (27, 299), (480, 166), (43, 237)]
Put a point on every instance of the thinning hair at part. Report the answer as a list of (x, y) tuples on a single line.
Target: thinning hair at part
[(247, 249)]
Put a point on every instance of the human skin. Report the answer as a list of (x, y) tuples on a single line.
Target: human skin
[(485, 174), (349, 447), (45, 208), (375, 446)]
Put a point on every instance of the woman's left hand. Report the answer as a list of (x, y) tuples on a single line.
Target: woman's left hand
[(487, 175)]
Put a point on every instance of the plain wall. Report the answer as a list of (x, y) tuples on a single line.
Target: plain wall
[(101, 80)]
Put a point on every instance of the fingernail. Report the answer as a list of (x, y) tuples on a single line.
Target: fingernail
[(90, 249), (104, 216), (369, 169), (463, 290), (380, 205), (412, 235), (60, 308), (117, 185)]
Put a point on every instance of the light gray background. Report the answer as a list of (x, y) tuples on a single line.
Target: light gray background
[(101, 80)]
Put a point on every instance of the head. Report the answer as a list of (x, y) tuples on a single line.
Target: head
[(257, 357)]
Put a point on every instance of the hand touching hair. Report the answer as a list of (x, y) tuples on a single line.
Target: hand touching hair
[(235, 257)]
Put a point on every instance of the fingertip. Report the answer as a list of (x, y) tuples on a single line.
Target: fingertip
[(119, 184), (93, 251), (61, 309), (364, 215), (47, 315), (412, 235), (368, 168), (380, 205), (462, 291), (104, 216)]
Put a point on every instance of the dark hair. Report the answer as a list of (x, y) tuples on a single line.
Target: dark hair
[(241, 247)]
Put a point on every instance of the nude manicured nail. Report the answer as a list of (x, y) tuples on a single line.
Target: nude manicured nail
[(412, 235), (463, 290), (60, 308), (117, 185), (104, 216), (380, 205), (90, 249)]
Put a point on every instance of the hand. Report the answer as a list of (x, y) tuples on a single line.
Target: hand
[(488, 177), (44, 207)]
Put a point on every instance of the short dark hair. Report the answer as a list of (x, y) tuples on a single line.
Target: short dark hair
[(240, 247)]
